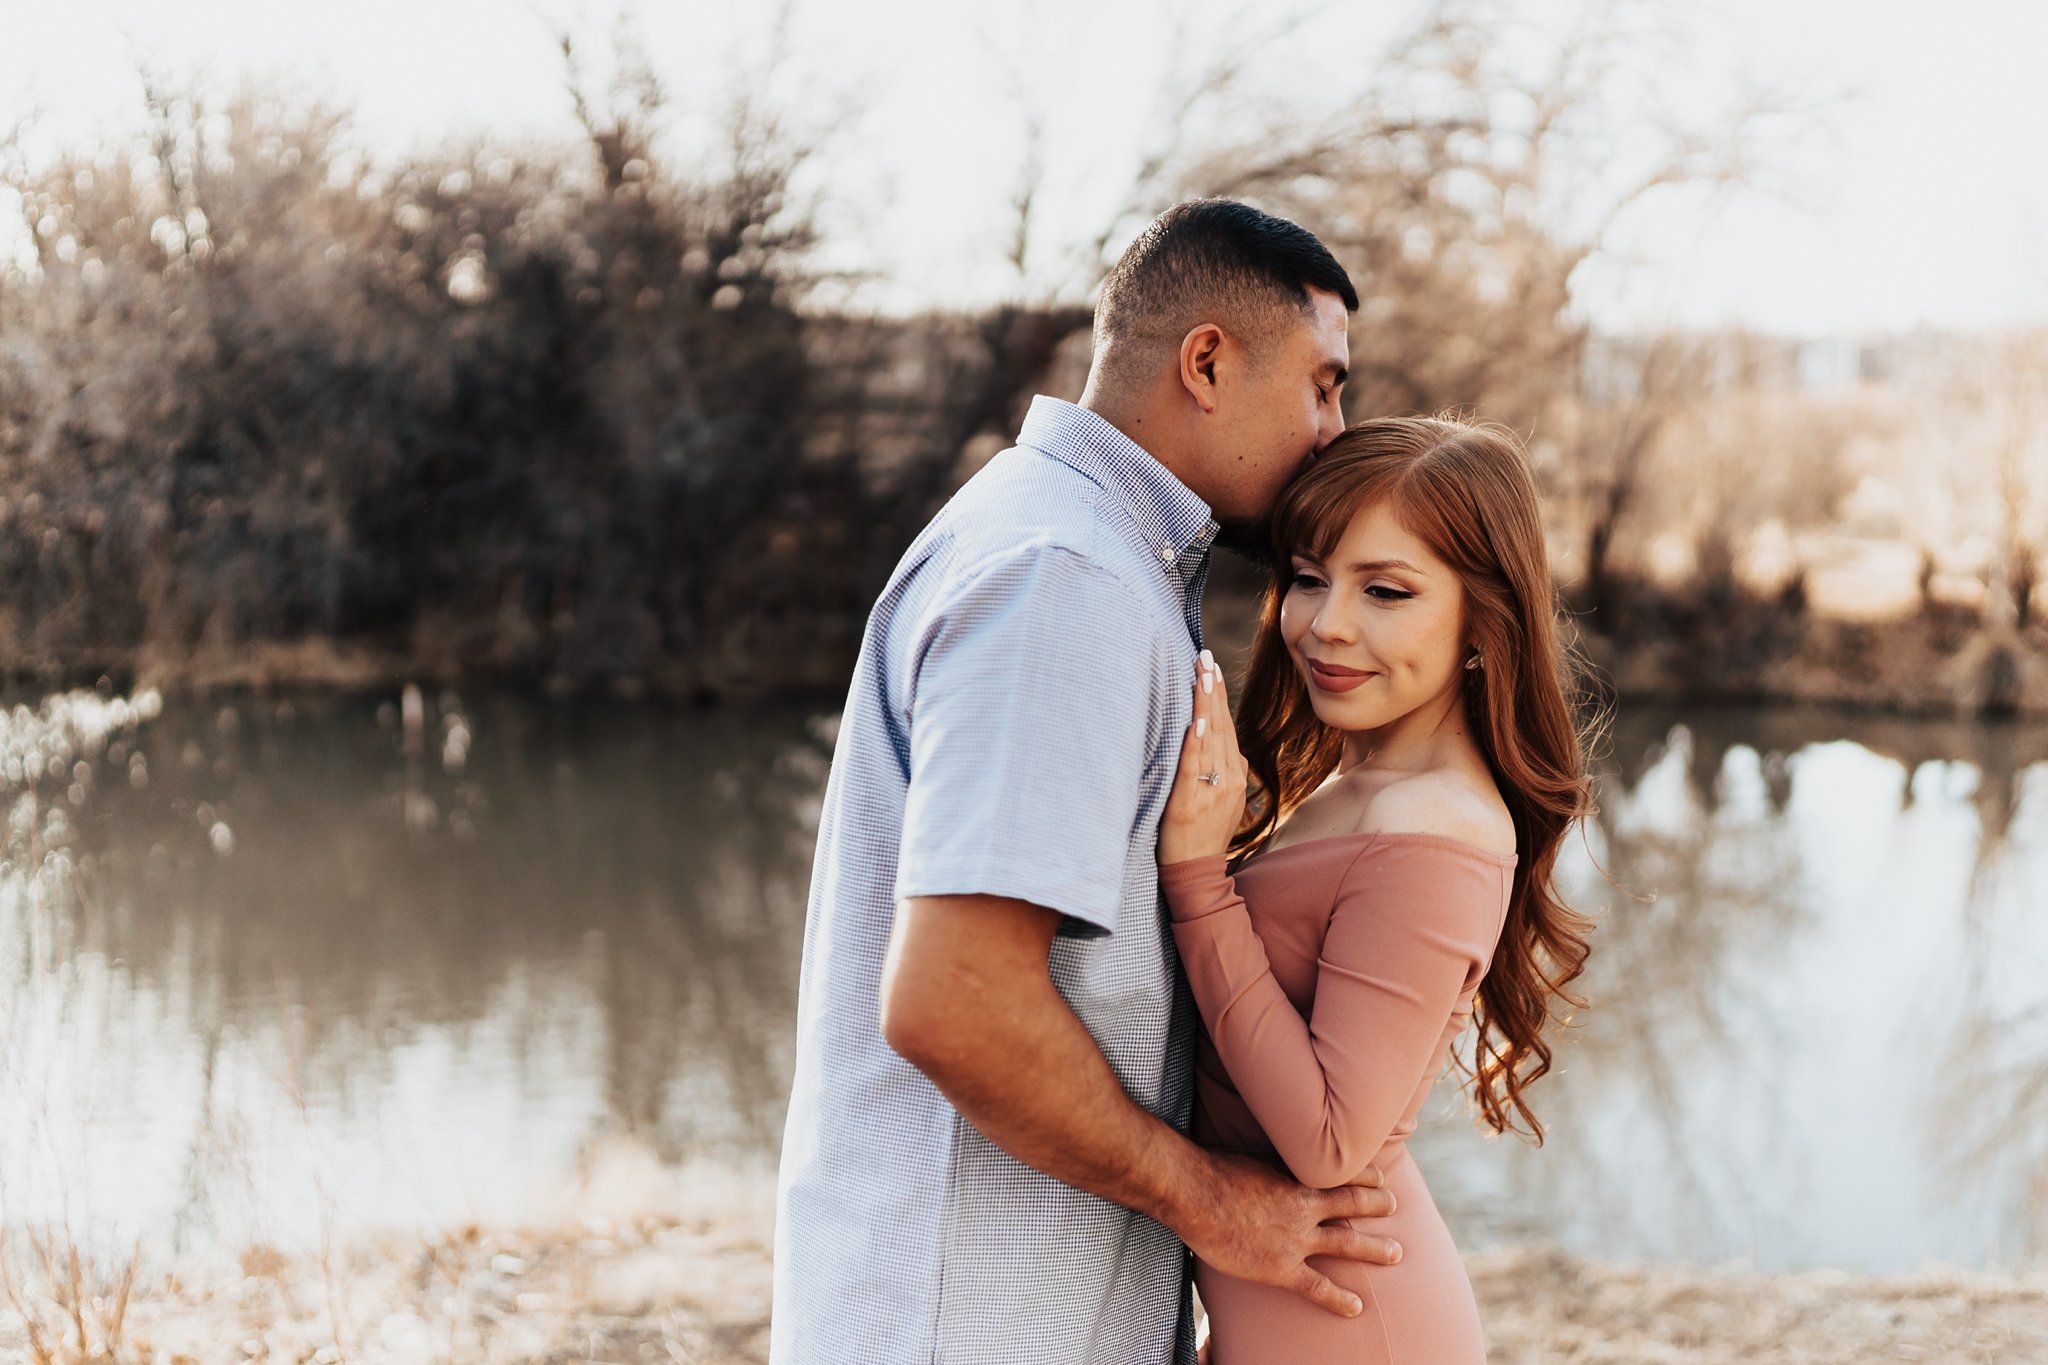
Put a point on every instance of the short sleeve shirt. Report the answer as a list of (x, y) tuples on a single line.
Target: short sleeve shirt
[(1012, 729)]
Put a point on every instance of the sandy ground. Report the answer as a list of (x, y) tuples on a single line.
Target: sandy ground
[(638, 1263), (662, 1291), (1543, 1306)]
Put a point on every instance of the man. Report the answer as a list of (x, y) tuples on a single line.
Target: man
[(984, 1158)]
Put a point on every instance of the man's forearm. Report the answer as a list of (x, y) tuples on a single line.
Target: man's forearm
[(1004, 1047), (1051, 1101), (967, 998)]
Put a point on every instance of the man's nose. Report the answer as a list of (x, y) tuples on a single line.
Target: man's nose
[(1331, 426)]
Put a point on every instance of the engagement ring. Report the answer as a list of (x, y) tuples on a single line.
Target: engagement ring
[(1211, 778)]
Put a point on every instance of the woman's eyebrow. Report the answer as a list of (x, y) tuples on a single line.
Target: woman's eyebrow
[(1366, 565)]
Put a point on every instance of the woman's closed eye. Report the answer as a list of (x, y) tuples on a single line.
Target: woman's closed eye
[(1306, 582), (1387, 594)]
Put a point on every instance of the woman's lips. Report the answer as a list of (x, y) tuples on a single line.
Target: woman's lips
[(1334, 678)]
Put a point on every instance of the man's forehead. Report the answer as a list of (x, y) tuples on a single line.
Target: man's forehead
[(1330, 329)]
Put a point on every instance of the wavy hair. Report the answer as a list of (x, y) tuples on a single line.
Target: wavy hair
[(1465, 490)]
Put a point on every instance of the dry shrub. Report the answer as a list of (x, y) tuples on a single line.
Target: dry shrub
[(511, 410), (72, 1305)]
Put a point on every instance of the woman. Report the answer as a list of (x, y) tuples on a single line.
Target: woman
[(1414, 766)]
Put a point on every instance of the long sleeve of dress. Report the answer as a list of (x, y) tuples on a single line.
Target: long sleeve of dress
[(1411, 931)]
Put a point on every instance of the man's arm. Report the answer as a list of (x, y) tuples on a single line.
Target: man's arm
[(967, 998)]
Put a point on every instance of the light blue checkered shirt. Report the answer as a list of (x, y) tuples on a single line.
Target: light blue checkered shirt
[(1012, 730)]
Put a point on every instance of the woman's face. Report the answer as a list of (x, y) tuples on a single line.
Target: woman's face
[(1378, 630)]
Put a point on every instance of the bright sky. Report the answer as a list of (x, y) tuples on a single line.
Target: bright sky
[(1917, 196)]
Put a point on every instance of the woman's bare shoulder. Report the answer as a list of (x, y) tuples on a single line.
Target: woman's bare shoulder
[(1443, 802)]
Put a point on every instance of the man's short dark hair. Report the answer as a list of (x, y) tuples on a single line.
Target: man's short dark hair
[(1211, 260)]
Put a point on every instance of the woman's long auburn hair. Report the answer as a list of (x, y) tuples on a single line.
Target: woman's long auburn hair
[(1465, 490)]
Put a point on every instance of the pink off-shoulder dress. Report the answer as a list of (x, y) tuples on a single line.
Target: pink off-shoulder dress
[(1332, 976)]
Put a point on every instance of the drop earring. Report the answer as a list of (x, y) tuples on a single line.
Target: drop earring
[(1477, 660)]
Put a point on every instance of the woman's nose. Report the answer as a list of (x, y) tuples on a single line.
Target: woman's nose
[(1332, 622)]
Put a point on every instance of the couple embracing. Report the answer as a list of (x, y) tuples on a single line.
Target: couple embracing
[(1096, 974)]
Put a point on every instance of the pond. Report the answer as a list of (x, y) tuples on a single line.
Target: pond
[(277, 969)]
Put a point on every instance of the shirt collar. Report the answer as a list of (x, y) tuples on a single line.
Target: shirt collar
[(1173, 520)]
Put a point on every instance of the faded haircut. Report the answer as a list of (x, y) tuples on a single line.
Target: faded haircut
[(1215, 261)]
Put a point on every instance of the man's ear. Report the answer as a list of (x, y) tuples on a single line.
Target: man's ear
[(1200, 351)]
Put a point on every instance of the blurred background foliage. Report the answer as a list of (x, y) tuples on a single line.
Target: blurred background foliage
[(273, 411)]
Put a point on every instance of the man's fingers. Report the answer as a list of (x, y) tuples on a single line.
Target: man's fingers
[(1355, 1201), (1321, 1291), (1352, 1245)]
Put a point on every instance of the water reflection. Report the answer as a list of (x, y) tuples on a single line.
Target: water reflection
[(270, 970), (1788, 1015), (313, 972)]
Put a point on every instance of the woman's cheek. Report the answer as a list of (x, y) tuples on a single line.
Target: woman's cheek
[(1292, 621)]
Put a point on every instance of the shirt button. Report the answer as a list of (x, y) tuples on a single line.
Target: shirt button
[(1166, 554)]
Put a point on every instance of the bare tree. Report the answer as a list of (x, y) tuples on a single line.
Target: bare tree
[(1618, 433), (1465, 188), (2019, 395)]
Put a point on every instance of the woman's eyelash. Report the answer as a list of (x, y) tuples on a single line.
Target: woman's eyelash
[(1380, 591)]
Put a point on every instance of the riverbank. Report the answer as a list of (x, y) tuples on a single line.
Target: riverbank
[(1881, 645), (697, 1290), (1935, 662), (1699, 644)]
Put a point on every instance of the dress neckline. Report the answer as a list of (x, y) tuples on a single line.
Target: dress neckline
[(1443, 841)]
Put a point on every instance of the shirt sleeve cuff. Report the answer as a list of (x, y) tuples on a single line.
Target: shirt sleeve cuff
[(1088, 911), (1196, 887)]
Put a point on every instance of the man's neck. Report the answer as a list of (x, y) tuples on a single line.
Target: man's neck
[(1146, 433)]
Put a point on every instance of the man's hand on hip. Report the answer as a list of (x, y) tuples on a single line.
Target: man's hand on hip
[(1258, 1224)]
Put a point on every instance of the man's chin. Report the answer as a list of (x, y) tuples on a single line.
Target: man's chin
[(1251, 537)]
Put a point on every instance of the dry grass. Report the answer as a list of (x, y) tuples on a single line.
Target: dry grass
[(1543, 1307), (667, 1289), (654, 1290), (69, 1305)]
